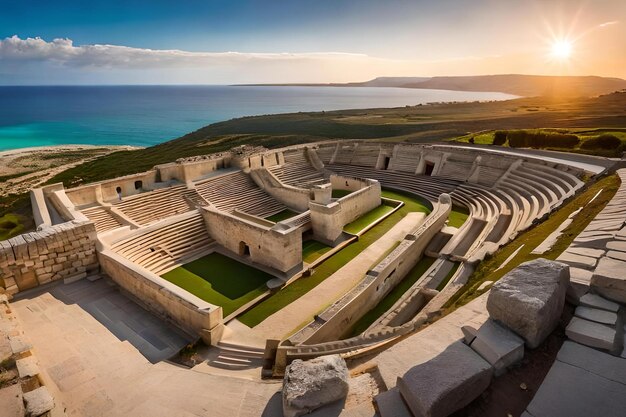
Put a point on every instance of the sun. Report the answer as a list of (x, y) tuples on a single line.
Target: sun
[(562, 49)]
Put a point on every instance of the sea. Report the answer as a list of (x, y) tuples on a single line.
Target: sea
[(148, 115)]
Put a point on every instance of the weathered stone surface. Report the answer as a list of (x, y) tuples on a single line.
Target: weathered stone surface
[(311, 384), (498, 345), (609, 279), (38, 401), (27, 367), (469, 334), (391, 404), (578, 261), (445, 383), (582, 382), (591, 334), (529, 300), (11, 403), (595, 301), (19, 345), (597, 315)]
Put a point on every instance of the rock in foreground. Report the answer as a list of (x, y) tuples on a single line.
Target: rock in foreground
[(446, 383), (309, 385), (529, 300)]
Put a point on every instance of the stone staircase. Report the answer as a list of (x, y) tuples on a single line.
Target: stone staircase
[(234, 356)]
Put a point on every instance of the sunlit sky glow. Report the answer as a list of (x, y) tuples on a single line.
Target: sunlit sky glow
[(229, 41)]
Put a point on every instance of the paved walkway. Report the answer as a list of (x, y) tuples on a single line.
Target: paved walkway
[(282, 323), (152, 337), (582, 382), (94, 373)]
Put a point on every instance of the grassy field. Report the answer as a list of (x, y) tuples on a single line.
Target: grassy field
[(10, 225), (531, 238), (584, 134), (368, 218), (312, 250), (283, 215), (340, 193), (394, 295), (220, 280), (303, 285), (457, 216)]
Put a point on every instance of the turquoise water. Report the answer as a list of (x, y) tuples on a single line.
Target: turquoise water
[(148, 115)]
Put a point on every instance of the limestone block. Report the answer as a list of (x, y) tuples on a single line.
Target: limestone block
[(529, 300), (27, 367), (595, 301), (38, 402), (498, 345), (309, 385), (597, 315), (19, 345), (591, 334), (609, 279), (446, 383), (390, 404)]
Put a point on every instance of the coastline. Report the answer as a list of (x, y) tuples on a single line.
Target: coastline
[(64, 148)]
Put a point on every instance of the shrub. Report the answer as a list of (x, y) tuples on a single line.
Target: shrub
[(499, 137), (526, 139), (605, 141)]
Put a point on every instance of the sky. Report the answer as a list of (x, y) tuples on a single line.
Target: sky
[(291, 41)]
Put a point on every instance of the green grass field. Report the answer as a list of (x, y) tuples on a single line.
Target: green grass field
[(584, 134), (303, 285), (368, 218), (312, 250), (220, 280), (394, 295), (457, 216), (10, 225), (340, 193), (531, 238), (283, 215)]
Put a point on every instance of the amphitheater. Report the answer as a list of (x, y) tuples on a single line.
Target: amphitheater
[(351, 248)]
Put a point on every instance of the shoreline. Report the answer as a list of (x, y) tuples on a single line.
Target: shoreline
[(61, 148)]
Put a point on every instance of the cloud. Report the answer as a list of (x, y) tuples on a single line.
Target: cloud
[(63, 51), (605, 24)]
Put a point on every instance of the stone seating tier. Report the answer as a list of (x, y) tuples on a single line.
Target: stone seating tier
[(159, 249), (237, 191), (297, 172), (102, 218), (151, 206)]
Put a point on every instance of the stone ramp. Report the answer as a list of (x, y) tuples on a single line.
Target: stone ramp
[(583, 382), (122, 317), (93, 373)]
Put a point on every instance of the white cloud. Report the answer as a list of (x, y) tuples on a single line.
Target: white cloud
[(63, 51)]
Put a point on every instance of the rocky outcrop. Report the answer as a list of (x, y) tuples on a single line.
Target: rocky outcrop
[(529, 300), (309, 385)]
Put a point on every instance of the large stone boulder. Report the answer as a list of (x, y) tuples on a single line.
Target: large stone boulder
[(311, 384), (529, 300), (446, 383)]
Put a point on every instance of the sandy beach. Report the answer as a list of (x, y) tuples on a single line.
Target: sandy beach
[(25, 168)]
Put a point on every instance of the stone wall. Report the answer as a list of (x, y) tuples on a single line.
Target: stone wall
[(328, 220), (340, 317), (295, 198), (58, 252), (163, 298), (262, 242)]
